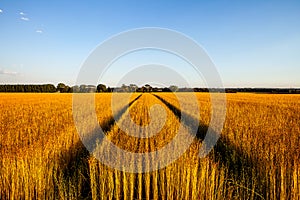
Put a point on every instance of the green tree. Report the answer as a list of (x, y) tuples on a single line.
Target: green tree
[(101, 88), (61, 87), (173, 88), (75, 89), (133, 87), (82, 88)]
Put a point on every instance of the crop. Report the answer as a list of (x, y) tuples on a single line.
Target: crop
[(43, 157)]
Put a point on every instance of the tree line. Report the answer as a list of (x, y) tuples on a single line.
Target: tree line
[(63, 88), (28, 88)]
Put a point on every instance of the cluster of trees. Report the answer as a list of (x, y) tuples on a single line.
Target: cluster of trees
[(264, 90), (63, 88), (145, 88), (91, 88), (28, 88), (50, 88)]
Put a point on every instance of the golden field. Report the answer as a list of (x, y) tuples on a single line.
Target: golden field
[(256, 157)]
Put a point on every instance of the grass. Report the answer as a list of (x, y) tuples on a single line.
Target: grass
[(42, 156)]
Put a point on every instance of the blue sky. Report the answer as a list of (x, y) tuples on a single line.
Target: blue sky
[(252, 43)]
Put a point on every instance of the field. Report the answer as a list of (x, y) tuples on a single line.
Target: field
[(43, 157)]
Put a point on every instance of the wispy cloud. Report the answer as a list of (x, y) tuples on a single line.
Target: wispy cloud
[(24, 18), (1, 11), (10, 73), (39, 31)]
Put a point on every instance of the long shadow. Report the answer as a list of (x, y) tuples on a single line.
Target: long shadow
[(71, 179), (95, 137), (73, 174), (106, 127), (229, 155)]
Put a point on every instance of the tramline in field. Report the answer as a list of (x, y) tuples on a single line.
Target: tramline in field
[(42, 155)]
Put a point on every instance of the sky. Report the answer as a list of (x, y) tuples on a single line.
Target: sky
[(251, 43)]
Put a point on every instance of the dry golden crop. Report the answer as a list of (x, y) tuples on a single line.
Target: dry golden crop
[(259, 144), (42, 155)]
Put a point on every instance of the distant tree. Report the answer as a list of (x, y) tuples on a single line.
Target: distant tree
[(166, 89), (147, 88), (124, 88), (68, 89), (91, 88), (28, 88), (133, 87), (110, 89), (75, 89), (82, 88), (173, 88), (49, 88), (101, 88), (60, 87), (156, 89)]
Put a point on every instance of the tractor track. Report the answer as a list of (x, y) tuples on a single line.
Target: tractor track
[(224, 152), (78, 164)]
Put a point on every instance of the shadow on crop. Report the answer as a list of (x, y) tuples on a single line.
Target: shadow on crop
[(239, 164), (72, 178)]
